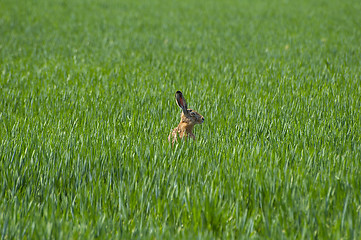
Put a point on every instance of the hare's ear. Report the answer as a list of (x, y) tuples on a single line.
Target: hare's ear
[(181, 101)]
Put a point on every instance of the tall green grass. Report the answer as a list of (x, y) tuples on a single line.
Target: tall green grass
[(87, 103)]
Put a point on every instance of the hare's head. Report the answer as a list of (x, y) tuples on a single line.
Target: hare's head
[(188, 115)]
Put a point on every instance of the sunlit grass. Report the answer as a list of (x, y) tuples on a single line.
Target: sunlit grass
[(87, 103)]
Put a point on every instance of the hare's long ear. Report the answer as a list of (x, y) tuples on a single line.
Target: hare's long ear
[(181, 101)]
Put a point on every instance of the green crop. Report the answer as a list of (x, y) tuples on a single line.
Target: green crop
[(87, 103)]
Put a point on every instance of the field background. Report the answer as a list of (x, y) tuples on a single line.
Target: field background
[(87, 102)]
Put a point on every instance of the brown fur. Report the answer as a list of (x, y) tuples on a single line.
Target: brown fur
[(189, 118)]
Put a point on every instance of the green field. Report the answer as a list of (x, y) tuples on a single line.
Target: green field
[(87, 103)]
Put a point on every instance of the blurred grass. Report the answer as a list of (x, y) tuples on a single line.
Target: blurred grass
[(86, 103)]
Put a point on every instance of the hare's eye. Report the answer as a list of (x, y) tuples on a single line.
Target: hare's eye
[(192, 114)]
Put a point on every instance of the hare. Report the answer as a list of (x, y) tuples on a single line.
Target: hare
[(189, 118)]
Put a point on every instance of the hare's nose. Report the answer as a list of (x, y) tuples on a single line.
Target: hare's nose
[(203, 119)]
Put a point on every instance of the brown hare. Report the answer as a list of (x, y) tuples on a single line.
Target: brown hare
[(189, 118)]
